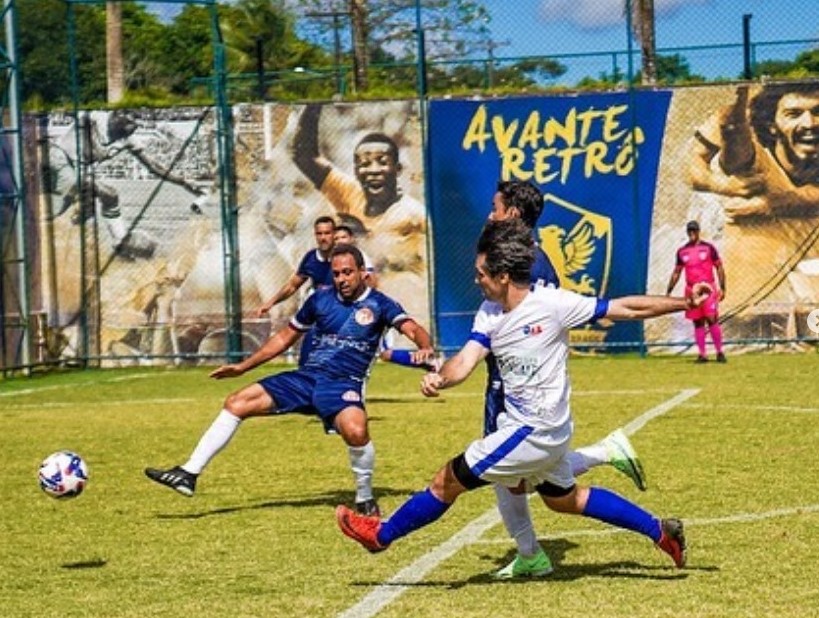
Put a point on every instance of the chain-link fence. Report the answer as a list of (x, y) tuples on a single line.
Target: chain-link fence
[(156, 234)]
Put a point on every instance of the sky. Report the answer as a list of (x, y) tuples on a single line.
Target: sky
[(543, 27)]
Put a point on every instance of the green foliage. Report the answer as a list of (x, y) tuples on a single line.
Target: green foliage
[(259, 537)]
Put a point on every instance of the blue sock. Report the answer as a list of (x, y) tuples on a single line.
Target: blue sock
[(402, 357), (608, 507), (421, 509)]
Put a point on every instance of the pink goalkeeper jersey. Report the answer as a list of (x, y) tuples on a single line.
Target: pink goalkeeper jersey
[(699, 261)]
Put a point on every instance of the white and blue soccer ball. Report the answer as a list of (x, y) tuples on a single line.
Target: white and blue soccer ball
[(63, 474)]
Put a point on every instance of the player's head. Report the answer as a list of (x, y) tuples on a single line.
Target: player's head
[(505, 257), (121, 125), (323, 229), (692, 228), (377, 168), (347, 265), (344, 235), (785, 118), (515, 198)]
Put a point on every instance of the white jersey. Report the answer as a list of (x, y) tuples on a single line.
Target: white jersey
[(531, 345)]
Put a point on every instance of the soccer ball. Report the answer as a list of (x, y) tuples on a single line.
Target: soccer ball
[(63, 475)]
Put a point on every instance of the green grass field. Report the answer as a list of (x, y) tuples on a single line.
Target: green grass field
[(735, 458)]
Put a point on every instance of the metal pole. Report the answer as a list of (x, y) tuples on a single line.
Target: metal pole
[(337, 48), (748, 71)]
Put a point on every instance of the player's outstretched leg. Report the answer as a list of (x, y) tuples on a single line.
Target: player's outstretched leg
[(624, 458)]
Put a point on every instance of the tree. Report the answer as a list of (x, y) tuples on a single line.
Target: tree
[(642, 24), (452, 28), (114, 67)]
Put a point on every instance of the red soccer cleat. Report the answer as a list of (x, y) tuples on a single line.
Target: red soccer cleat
[(672, 541), (361, 528)]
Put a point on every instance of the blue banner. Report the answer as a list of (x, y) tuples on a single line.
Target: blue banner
[(597, 167)]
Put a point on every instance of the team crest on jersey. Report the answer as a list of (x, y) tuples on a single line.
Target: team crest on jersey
[(364, 316), (579, 245), (350, 396)]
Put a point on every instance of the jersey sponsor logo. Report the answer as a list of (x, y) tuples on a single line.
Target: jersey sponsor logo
[(519, 366), (532, 329), (579, 245), (364, 316), (350, 396)]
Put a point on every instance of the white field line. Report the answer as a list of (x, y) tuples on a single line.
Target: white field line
[(399, 583), (738, 518), (108, 404), (742, 406), (55, 387)]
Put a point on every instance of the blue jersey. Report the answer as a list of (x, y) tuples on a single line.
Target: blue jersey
[(543, 274), (314, 267), (345, 334)]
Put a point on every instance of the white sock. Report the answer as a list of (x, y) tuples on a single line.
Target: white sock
[(587, 457), (362, 463), (514, 510), (116, 226), (212, 441)]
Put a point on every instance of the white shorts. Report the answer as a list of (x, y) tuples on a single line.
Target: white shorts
[(518, 452)]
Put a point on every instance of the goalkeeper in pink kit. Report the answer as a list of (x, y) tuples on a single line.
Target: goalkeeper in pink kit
[(700, 260)]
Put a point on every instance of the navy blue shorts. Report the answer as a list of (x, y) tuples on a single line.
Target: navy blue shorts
[(494, 396), (299, 391)]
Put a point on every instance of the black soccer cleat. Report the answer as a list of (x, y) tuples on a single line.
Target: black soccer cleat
[(368, 508), (176, 478)]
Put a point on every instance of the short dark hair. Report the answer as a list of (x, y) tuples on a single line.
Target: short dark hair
[(524, 196), (763, 107), (345, 249), (508, 248), (380, 138), (345, 228), (324, 219)]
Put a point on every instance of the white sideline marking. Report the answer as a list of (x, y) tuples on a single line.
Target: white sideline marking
[(387, 592), (108, 404), (709, 521), (30, 391), (743, 406)]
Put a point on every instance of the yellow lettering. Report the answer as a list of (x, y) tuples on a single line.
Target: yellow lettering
[(542, 166), (566, 131), (477, 133), (611, 123), (624, 162), (530, 134), (567, 156), (511, 161), (586, 120), (503, 135), (595, 159)]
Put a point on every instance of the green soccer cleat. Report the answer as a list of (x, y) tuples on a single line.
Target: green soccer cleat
[(624, 458), (538, 565)]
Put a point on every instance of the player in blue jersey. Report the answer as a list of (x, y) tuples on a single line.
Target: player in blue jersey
[(314, 267), (523, 200), (347, 322), (527, 329)]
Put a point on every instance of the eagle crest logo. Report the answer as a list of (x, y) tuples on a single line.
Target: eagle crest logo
[(579, 245)]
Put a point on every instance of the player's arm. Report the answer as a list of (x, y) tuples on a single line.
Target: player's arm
[(643, 307), (306, 154), (290, 287), (737, 154), (455, 370), (672, 282), (421, 338), (275, 345), (721, 279)]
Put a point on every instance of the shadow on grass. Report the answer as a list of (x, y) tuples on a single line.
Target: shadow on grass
[(96, 563), (557, 550), (330, 499)]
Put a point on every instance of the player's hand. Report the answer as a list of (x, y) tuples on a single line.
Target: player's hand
[(754, 207), (431, 384), (226, 371), (721, 295), (422, 356), (699, 293), (262, 311)]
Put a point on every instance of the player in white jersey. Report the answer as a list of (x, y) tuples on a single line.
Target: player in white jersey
[(528, 332)]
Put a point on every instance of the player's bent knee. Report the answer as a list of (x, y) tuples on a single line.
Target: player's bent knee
[(464, 475)]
